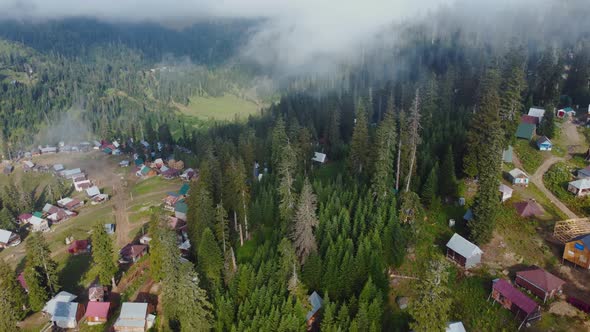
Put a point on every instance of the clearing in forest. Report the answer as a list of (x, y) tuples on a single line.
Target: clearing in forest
[(219, 108)]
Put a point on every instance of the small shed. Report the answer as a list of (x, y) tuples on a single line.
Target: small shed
[(577, 251), (565, 112), (514, 300), (133, 252), (580, 187), (79, 247), (463, 252), (109, 228), (455, 327), (97, 312), (319, 157), (38, 224), (518, 177), (539, 282), (505, 192), (526, 131), (92, 191), (468, 216), (96, 293), (528, 209), (315, 302), (507, 154), (544, 144), (67, 314)]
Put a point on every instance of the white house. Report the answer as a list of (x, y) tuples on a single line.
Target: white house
[(8, 239), (518, 177), (537, 112), (579, 187), (134, 317), (505, 192), (38, 224), (63, 311), (463, 252)]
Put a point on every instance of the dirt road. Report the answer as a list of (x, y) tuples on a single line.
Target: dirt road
[(570, 130), (537, 179)]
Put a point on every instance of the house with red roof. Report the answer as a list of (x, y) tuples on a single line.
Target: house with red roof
[(24, 218), (97, 312), (79, 247), (529, 119), (539, 282), (522, 306), (133, 252)]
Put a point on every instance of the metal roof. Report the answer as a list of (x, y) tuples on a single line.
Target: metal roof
[(5, 236), (517, 172), (131, 310), (460, 245), (316, 304), (504, 188), (319, 157), (455, 327), (522, 301), (537, 112), (62, 296), (541, 278), (525, 130), (64, 311), (581, 184), (92, 191)]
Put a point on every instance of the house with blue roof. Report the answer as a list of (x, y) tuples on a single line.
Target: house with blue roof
[(316, 304)]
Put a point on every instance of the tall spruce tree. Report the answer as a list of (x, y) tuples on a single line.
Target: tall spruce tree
[(200, 211), (12, 299), (430, 187), (382, 179), (39, 259), (359, 145), (305, 221), (287, 169), (210, 258), (447, 182), (432, 307), (279, 139), (487, 123), (103, 254)]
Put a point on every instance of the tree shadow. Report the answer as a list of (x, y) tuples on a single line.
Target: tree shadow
[(73, 271)]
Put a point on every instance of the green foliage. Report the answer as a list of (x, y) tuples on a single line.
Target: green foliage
[(385, 145), (13, 299), (200, 211), (432, 307), (547, 127), (447, 181), (7, 220), (304, 223), (529, 155), (359, 153), (40, 270), (103, 254), (430, 187), (210, 258)]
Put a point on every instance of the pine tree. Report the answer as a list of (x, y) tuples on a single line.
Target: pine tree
[(156, 232), (547, 127), (488, 162), (447, 182), (431, 309), (210, 258), (430, 187), (384, 154), (279, 140), (39, 259), (286, 178), (38, 293), (359, 157), (12, 299), (414, 136), (6, 220), (183, 299), (513, 86), (103, 254), (222, 227), (304, 223), (334, 138), (200, 211)]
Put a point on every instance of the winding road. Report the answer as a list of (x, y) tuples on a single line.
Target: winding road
[(575, 141)]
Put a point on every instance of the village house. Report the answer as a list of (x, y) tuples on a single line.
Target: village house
[(61, 215), (518, 177), (539, 282), (28, 165), (24, 218), (71, 173), (48, 150), (579, 187), (463, 252), (131, 253), (183, 191), (69, 203), (529, 119), (526, 131), (81, 184), (584, 173), (180, 210), (38, 224), (505, 192), (514, 300), (134, 317), (124, 163), (565, 112), (188, 174), (97, 312), (577, 251), (544, 144), (79, 247), (62, 311), (58, 168), (537, 112), (8, 239), (528, 209), (170, 201), (315, 302), (92, 191)]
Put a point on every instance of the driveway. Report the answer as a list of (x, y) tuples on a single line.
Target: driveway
[(537, 179)]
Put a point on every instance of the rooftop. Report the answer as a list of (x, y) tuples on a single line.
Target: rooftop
[(98, 309), (515, 296), (133, 311), (581, 184), (541, 278), (460, 245)]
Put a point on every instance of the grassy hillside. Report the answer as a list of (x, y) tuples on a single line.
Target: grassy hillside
[(219, 108)]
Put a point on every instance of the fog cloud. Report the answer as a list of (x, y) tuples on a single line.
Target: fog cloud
[(296, 34)]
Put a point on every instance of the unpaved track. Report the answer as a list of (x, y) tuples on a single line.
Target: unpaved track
[(537, 179)]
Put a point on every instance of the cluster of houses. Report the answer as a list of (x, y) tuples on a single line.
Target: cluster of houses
[(533, 280), (64, 312), (169, 169), (527, 128)]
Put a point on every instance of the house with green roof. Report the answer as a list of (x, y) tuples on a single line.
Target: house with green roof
[(184, 189), (526, 131), (180, 210)]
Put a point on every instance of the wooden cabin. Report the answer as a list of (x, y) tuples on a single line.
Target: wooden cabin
[(525, 309), (577, 251)]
